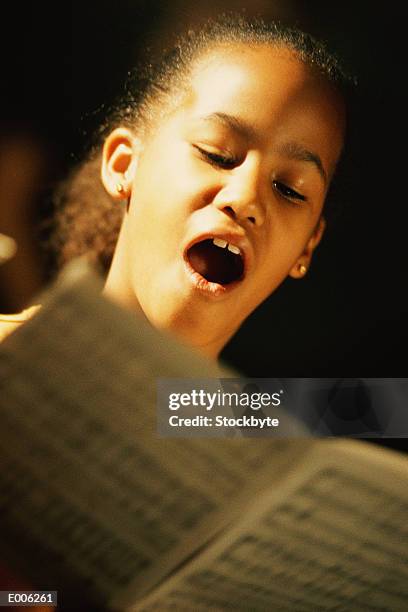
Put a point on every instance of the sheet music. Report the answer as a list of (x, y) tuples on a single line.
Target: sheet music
[(336, 542), (97, 497)]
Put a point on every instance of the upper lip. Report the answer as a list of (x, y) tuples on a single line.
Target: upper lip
[(238, 238)]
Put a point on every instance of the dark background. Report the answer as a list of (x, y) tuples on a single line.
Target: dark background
[(62, 61)]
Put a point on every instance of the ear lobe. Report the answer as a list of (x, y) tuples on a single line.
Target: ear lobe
[(303, 263), (119, 161)]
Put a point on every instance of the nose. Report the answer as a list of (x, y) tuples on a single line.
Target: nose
[(240, 197)]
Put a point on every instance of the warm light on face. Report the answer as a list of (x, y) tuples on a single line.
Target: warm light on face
[(246, 159)]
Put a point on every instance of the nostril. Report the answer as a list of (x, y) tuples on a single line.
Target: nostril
[(252, 220), (229, 211)]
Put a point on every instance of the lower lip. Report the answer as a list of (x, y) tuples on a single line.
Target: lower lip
[(206, 287)]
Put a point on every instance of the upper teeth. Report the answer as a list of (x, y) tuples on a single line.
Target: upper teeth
[(219, 242)]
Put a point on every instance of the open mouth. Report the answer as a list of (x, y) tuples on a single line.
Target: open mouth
[(217, 261)]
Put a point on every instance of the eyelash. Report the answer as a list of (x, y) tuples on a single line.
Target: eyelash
[(215, 159), (226, 163), (287, 192)]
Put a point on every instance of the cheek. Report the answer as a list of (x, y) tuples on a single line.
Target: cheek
[(166, 193), (168, 184), (284, 247)]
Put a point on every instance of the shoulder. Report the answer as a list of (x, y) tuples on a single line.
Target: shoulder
[(11, 322)]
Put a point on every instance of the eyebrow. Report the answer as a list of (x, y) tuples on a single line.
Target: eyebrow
[(290, 150), (296, 151), (235, 123)]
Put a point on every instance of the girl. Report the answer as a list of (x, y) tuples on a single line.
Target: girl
[(224, 161), (210, 189)]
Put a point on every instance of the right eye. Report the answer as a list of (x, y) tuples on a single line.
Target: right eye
[(226, 162)]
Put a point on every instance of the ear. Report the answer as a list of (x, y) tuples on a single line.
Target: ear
[(119, 161), (303, 263)]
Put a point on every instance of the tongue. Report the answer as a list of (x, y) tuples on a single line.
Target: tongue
[(215, 264)]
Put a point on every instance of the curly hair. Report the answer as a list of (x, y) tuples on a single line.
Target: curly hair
[(86, 220)]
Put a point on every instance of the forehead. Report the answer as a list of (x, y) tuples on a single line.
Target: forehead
[(274, 92)]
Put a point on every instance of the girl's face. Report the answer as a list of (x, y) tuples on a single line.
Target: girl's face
[(246, 158)]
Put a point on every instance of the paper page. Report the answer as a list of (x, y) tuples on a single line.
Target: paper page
[(88, 490), (334, 536)]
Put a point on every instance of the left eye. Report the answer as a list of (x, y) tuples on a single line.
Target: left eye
[(216, 159), (287, 192)]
